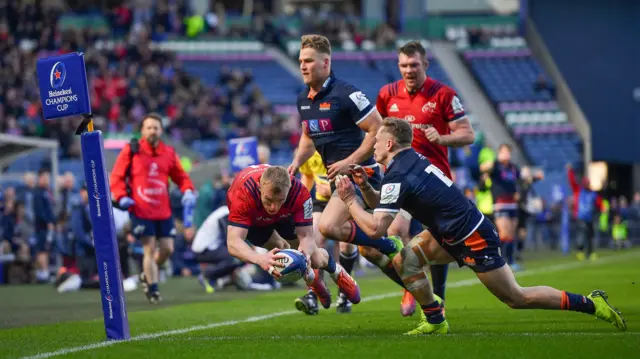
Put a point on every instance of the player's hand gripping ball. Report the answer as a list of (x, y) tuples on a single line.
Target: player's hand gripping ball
[(292, 266)]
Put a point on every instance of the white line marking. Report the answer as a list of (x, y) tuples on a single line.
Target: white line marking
[(458, 284)]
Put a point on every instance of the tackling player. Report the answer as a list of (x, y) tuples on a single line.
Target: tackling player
[(271, 209), (340, 123), (438, 121), (460, 233), (505, 176)]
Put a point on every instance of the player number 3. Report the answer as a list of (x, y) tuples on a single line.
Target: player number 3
[(436, 171)]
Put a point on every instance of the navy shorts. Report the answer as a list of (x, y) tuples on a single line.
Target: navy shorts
[(258, 236), (41, 244), (480, 251), (415, 227), (506, 213), (152, 228)]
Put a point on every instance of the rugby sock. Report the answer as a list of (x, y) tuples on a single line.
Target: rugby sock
[(153, 287), (577, 303), (347, 261), (390, 272), (331, 265), (433, 312), (358, 237), (439, 278), (508, 249)]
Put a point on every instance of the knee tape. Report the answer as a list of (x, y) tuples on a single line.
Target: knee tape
[(413, 275)]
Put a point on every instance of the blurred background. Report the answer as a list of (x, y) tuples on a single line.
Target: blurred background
[(557, 79)]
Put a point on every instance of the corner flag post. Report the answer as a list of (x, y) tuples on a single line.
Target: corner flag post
[(64, 92)]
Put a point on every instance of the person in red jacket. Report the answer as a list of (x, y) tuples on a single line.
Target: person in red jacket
[(587, 205), (147, 197)]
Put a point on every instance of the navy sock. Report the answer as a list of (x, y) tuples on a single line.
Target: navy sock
[(433, 312), (577, 303), (358, 237), (507, 251), (390, 272), (439, 278), (331, 266), (347, 261), (153, 287)]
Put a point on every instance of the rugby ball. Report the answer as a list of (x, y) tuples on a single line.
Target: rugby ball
[(292, 266)]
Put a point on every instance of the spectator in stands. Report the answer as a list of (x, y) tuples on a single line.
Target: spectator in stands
[(635, 206), (211, 196), (26, 196), (44, 224), (84, 251)]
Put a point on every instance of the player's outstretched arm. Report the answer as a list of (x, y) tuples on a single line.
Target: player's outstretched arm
[(305, 150), (359, 175), (238, 248), (374, 226), (306, 239)]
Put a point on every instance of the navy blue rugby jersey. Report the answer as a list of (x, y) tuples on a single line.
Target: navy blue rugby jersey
[(331, 119)]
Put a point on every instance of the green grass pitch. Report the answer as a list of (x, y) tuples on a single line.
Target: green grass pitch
[(37, 322)]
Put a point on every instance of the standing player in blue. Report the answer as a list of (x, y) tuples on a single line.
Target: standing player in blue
[(340, 123), (460, 233), (505, 176)]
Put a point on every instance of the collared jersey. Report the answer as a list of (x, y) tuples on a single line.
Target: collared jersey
[(414, 184), (331, 119), (433, 105), (245, 204)]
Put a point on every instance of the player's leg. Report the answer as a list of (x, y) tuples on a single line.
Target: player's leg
[(504, 225), (502, 283), (421, 252), (335, 224), (149, 275), (480, 253), (318, 207), (400, 227)]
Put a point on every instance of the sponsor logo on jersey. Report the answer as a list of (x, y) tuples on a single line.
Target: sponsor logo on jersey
[(409, 118), (394, 108), (429, 107)]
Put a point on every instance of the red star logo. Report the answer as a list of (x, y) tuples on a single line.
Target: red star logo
[(58, 73)]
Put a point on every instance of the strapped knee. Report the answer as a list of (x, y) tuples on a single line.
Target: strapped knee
[(413, 263)]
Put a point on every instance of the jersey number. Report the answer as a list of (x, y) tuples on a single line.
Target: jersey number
[(436, 171)]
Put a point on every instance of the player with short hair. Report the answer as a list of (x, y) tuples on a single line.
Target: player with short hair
[(271, 209), (140, 183), (460, 233), (438, 121), (340, 123)]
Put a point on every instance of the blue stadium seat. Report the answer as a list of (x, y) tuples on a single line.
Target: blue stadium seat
[(509, 79), (276, 83)]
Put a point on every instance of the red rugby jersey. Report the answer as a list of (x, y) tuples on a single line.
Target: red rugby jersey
[(433, 105), (245, 206)]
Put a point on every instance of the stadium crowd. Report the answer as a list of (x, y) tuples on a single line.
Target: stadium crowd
[(38, 235)]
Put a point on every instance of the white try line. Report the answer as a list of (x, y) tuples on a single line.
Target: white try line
[(458, 284)]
